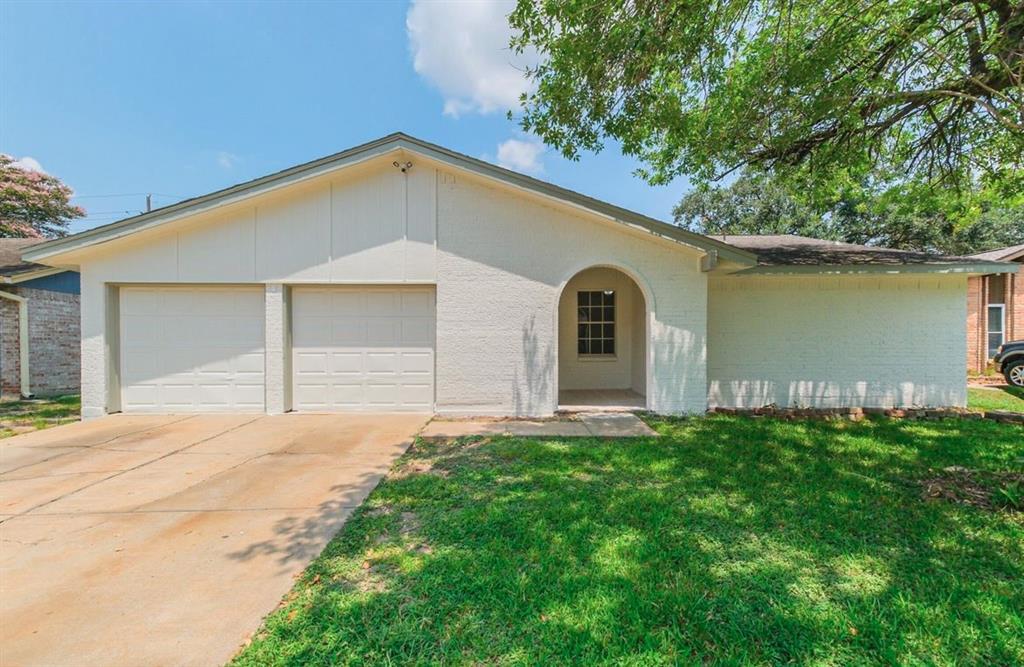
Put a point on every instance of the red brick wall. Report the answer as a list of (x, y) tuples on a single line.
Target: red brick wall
[(977, 317), (54, 343), (1015, 306), (975, 324)]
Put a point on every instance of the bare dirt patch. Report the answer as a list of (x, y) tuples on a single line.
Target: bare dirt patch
[(986, 490)]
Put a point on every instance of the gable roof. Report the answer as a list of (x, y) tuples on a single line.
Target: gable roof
[(777, 253), (379, 147), (1002, 254)]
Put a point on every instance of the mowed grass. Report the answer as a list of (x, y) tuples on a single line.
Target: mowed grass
[(31, 415), (996, 398), (725, 541)]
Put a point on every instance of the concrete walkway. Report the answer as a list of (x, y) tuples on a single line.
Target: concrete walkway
[(164, 540), (593, 424)]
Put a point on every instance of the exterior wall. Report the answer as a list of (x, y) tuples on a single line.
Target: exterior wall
[(576, 372), (502, 261), (368, 224), (976, 324), (66, 281), (1015, 306), (837, 341), (981, 291), (53, 322)]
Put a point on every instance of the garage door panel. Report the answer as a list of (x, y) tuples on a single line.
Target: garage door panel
[(192, 349), (346, 363), (417, 363), (347, 332), (363, 348), (343, 301), (418, 304), (418, 331), (386, 303), (383, 332)]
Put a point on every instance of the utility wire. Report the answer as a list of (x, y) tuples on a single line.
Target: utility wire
[(127, 194)]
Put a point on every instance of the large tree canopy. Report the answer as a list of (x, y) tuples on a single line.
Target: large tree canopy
[(907, 216), (833, 89), (33, 204)]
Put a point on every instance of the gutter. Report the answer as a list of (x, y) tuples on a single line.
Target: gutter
[(41, 272), (22, 339)]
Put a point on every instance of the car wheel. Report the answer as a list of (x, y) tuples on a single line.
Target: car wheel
[(1014, 373)]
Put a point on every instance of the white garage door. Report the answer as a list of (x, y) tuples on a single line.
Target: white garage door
[(363, 348), (192, 349)]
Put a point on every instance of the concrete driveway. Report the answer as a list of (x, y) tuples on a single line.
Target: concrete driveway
[(164, 540)]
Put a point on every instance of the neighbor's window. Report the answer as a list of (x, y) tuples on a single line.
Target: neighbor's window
[(996, 332), (595, 328)]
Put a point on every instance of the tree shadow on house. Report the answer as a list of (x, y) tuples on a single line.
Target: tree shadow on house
[(725, 540)]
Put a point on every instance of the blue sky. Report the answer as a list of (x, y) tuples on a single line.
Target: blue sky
[(180, 99)]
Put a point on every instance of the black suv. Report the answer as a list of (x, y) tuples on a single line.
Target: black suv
[(1009, 361)]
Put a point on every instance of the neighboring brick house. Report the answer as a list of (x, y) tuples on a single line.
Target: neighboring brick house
[(50, 298), (995, 308)]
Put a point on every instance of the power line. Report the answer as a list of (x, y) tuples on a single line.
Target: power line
[(127, 194)]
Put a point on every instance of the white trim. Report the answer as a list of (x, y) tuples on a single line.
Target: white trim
[(23, 341), (649, 309), (989, 350)]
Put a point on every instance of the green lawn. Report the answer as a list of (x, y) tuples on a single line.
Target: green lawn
[(1002, 398), (23, 416), (727, 540)]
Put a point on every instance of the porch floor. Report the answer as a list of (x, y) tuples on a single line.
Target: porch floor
[(600, 400)]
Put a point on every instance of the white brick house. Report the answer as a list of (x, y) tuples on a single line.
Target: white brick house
[(400, 275)]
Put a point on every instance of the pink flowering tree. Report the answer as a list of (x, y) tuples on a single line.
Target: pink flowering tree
[(33, 204)]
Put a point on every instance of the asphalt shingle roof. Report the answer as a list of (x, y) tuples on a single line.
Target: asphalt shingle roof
[(1000, 253), (11, 262), (792, 250)]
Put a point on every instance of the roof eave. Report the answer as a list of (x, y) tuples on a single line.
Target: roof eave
[(362, 153), (23, 276), (978, 268)]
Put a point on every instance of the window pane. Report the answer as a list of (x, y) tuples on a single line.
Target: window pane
[(583, 347), (609, 299), (581, 331), (582, 298), (994, 341), (583, 314), (995, 319), (609, 347), (609, 313), (609, 330)]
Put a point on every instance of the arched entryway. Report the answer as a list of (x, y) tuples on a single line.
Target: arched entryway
[(602, 342)]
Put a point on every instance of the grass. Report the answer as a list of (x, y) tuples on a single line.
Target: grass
[(23, 416), (726, 541), (996, 398)]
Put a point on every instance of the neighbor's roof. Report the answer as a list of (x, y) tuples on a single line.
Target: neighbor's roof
[(1009, 252), (11, 262), (786, 252), (377, 148)]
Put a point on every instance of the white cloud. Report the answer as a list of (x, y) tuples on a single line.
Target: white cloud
[(521, 155), (227, 160), (28, 164), (461, 48)]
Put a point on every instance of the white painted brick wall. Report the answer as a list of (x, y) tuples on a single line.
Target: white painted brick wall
[(275, 327), (502, 261), (835, 341)]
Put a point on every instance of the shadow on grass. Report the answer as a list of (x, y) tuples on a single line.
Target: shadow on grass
[(726, 539)]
